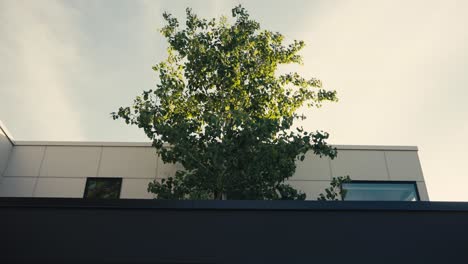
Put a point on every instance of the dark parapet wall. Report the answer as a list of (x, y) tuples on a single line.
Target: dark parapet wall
[(151, 231)]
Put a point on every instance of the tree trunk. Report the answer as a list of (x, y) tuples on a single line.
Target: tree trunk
[(220, 196)]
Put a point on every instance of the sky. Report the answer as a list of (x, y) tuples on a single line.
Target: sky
[(399, 67)]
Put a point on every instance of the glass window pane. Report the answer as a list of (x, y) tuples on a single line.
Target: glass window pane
[(385, 191), (103, 188)]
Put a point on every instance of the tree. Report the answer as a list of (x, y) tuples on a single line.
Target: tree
[(222, 112), (335, 192)]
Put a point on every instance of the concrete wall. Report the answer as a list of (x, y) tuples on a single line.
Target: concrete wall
[(60, 169)]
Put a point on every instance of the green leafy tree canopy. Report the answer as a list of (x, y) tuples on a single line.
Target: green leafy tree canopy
[(221, 111), (335, 192)]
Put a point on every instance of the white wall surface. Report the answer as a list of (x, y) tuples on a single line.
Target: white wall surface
[(360, 163), (128, 162), (63, 161), (25, 161), (60, 169)]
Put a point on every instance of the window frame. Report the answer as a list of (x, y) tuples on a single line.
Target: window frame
[(414, 183), (117, 179)]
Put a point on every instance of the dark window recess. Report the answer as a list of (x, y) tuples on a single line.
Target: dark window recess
[(381, 191), (103, 188)]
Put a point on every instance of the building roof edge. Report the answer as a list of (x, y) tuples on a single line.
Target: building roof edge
[(7, 133), (148, 144)]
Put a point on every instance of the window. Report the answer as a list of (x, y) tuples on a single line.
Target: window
[(381, 191), (103, 188)]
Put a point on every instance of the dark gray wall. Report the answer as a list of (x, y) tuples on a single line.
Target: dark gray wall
[(74, 230)]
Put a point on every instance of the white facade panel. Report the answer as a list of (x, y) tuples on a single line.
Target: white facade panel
[(422, 190), (25, 161), (312, 189), (17, 186), (313, 168), (360, 165), (167, 169), (60, 169), (135, 189), (67, 161), (60, 187), (128, 162), (5, 150), (404, 166)]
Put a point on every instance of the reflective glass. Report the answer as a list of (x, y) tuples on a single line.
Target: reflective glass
[(103, 188), (361, 191)]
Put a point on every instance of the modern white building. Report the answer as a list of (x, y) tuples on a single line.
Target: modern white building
[(76, 169)]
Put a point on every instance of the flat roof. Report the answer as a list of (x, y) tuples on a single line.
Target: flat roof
[(148, 144)]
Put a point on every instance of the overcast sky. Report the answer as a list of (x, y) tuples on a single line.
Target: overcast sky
[(400, 69)]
